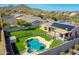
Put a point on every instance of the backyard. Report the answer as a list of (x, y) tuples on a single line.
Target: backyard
[(25, 34)]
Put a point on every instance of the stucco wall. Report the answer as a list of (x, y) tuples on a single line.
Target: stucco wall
[(73, 33)]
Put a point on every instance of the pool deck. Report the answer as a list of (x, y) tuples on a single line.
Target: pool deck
[(42, 40)]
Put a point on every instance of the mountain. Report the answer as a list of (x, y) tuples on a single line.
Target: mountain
[(24, 9), (21, 9)]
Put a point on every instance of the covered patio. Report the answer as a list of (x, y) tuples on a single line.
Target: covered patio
[(60, 34)]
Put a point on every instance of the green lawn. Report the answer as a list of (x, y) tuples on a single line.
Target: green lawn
[(30, 33), (55, 43), (20, 46), (23, 35)]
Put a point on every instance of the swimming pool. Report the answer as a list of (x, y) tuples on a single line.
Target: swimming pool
[(34, 45)]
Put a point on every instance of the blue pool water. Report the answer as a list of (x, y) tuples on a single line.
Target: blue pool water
[(34, 45)]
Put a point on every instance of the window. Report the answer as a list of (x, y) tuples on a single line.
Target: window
[(49, 28), (70, 34), (76, 35), (45, 28), (61, 35), (66, 34), (75, 32)]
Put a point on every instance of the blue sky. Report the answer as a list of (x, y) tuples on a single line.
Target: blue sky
[(53, 7)]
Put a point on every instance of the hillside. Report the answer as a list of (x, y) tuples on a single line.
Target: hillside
[(54, 15), (20, 9)]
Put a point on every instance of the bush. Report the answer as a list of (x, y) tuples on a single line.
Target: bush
[(23, 23), (6, 24), (71, 51), (54, 18), (62, 53), (77, 46), (76, 20)]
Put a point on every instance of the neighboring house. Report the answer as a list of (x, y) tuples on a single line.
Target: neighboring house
[(36, 24), (36, 21), (61, 31), (10, 19), (28, 18)]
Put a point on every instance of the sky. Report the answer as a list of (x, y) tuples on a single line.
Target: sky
[(52, 7)]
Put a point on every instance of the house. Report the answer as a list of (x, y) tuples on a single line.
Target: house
[(28, 18), (36, 23), (9, 19), (61, 31)]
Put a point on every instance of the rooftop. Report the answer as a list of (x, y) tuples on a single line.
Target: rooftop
[(61, 31), (29, 18), (63, 26)]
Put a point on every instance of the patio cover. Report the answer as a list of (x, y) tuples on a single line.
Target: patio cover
[(61, 31)]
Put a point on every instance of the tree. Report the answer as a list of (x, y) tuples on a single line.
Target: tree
[(76, 20), (41, 16), (6, 24), (2, 14), (58, 17), (54, 18), (65, 18)]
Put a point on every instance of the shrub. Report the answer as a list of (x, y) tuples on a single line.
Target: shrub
[(77, 46), (23, 23), (71, 51), (62, 53)]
